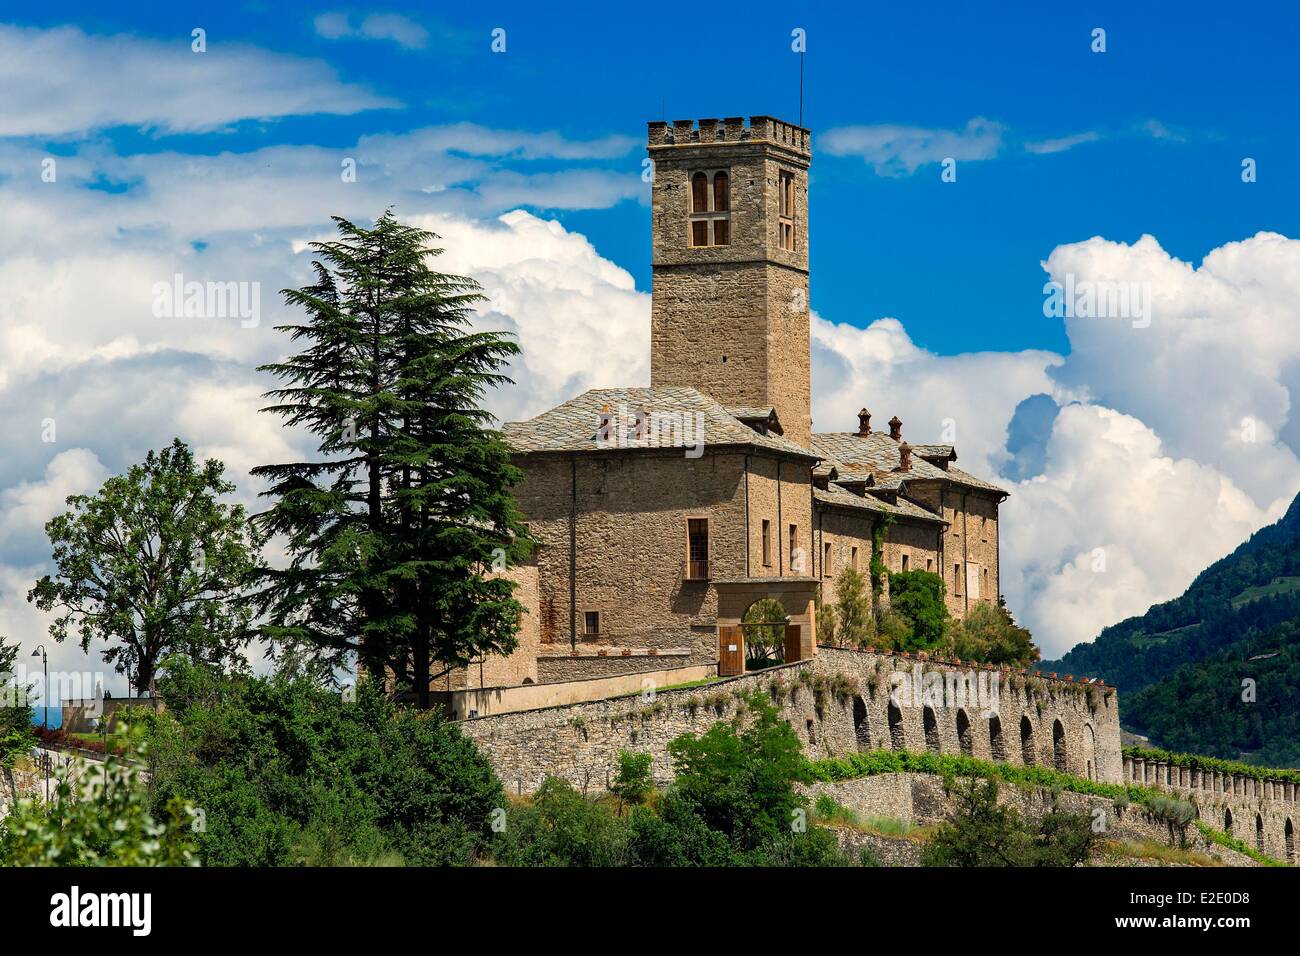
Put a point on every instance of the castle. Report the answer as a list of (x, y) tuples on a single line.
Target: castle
[(664, 513)]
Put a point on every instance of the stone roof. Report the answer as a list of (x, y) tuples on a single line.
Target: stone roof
[(575, 426), (945, 452), (765, 414), (847, 499), (878, 455)]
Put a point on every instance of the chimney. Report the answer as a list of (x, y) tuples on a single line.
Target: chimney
[(864, 423), (896, 429), (905, 457)]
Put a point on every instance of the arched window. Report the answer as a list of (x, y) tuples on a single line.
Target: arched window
[(1227, 822), (1259, 833), (861, 729), (896, 738), (997, 746), (721, 196), (963, 734), (700, 192), (1027, 742), (1059, 758), (931, 731)]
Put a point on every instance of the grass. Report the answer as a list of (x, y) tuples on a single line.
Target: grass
[(830, 812), (684, 685), (1174, 811), (1151, 850), (1279, 585), (1232, 843)]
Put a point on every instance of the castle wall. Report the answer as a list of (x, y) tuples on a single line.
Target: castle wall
[(840, 707), (627, 513), (1258, 812), (971, 538), (843, 531)]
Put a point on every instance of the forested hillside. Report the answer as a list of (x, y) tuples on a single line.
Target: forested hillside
[(1182, 664)]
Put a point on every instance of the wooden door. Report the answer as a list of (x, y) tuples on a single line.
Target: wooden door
[(731, 651), (793, 645)]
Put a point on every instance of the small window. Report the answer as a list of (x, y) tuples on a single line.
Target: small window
[(591, 623), (710, 211), (767, 542), (929, 565), (785, 222), (853, 558), (826, 560), (904, 564), (794, 543), (697, 549), (956, 580)]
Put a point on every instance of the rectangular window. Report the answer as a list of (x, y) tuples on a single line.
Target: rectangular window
[(785, 222), (956, 580), (826, 560), (591, 622), (700, 232), (929, 564), (794, 544), (767, 542), (972, 581), (904, 564), (697, 549), (853, 557)]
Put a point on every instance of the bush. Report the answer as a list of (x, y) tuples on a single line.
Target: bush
[(108, 824), (561, 827), (633, 783), (990, 635), (287, 773), (980, 832), (918, 596), (741, 784)]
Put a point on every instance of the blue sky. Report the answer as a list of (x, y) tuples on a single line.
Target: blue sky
[(960, 261), (1113, 437)]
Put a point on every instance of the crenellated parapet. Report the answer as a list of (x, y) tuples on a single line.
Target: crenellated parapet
[(1207, 776), (733, 129)]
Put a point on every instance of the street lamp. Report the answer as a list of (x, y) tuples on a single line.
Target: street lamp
[(45, 712)]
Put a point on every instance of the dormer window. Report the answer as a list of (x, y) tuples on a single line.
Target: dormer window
[(710, 208)]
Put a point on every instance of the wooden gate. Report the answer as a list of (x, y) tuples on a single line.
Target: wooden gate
[(731, 652), (792, 643)]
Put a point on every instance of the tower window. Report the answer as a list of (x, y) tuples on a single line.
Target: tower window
[(710, 208), (785, 221), (767, 543)]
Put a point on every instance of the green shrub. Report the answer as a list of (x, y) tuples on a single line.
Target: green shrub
[(561, 827), (918, 596)]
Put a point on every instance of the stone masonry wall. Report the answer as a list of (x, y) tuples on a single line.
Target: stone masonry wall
[(1261, 813), (1064, 725)]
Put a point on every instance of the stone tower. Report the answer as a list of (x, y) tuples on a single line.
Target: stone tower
[(729, 314)]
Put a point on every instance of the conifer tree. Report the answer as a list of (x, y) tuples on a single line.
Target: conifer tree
[(394, 528)]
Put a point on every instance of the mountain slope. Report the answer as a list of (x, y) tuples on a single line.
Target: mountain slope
[(1181, 664)]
